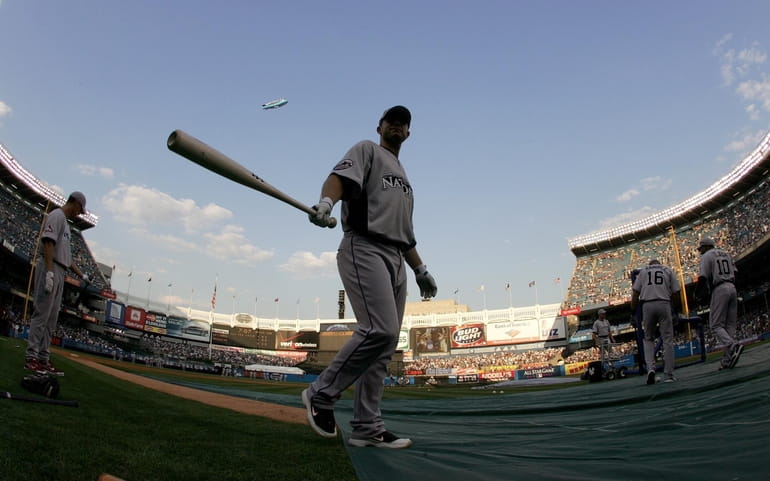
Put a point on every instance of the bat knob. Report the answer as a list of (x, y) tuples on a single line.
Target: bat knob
[(332, 223)]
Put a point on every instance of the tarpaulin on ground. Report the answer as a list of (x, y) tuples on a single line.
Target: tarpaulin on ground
[(709, 425)]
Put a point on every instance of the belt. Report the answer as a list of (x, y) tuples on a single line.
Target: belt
[(722, 282), (60, 264)]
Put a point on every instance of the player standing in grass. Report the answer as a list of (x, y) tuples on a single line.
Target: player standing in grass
[(377, 204), (717, 277), (50, 270), (657, 287)]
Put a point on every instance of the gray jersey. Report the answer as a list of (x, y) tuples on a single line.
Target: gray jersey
[(58, 230), (601, 327), (656, 282), (717, 267), (381, 204)]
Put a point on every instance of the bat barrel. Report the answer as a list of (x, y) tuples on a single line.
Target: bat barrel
[(209, 158)]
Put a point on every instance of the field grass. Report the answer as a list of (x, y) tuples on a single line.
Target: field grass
[(139, 434)]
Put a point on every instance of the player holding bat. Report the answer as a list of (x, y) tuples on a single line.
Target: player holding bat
[(377, 204)]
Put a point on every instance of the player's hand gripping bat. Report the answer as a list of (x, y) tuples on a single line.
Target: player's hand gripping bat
[(193, 149)]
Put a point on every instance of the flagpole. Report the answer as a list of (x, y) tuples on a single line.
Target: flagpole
[(317, 308), (128, 291), (484, 297), (149, 286), (189, 306), (168, 299), (277, 306)]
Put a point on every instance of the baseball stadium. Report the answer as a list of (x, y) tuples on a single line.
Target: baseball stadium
[(515, 393)]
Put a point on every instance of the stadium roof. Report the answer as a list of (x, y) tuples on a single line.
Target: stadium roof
[(29, 187), (745, 176)]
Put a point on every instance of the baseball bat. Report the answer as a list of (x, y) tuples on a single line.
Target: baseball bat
[(206, 156), (21, 397)]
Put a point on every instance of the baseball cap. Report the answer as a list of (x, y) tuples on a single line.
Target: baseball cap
[(80, 198), (602, 311), (707, 241), (654, 261), (398, 112)]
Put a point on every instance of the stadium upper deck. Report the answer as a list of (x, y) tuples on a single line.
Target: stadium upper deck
[(744, 177), (31, 188)]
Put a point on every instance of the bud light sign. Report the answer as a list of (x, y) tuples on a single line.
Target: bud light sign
[(469, 335)]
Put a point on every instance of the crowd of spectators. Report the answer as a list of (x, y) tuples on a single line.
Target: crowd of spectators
[(20, 221), (603, 277)]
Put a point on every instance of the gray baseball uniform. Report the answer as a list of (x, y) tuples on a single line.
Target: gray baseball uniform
[(656, 284), (377, 225), (719, 270), (46, 306)]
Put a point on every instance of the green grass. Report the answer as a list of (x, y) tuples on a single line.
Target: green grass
[(140, 434)]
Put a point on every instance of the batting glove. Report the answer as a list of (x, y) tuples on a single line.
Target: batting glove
[(48, 282), (86, 278), (322, 210), (425, 281)]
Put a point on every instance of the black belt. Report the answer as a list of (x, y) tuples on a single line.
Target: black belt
[(60, 264)]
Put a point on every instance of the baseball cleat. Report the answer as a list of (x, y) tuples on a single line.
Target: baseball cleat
[(383, 440), (321, 420)]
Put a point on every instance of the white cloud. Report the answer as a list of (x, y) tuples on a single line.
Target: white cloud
[(737, 64), (5, 109), (627, 195), (625, 218), (746, 143), (232, 245), (756, 91), (91, 170), (306, 265), (647, 184), (141, 206)]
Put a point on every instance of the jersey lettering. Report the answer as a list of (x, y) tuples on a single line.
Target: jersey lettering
[(390, 181)]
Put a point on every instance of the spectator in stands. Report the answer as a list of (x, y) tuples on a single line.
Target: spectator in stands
[(50, 269), (602, 334), (717, 278), (657, 287), (378, 241)]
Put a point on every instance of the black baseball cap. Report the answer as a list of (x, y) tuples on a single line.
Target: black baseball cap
[(399, 112)]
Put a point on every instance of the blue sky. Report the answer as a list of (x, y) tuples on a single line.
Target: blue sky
[(533, 122)]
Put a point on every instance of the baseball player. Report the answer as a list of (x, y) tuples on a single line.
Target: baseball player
[(602, 334), (717, 278), (50, 269), (657, 287), (378, 239)]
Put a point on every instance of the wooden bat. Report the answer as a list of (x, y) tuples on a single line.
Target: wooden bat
[(193, 149)]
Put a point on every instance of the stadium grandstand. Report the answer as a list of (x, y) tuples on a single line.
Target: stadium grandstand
[(446, 341)]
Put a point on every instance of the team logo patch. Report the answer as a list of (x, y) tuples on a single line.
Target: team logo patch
[(343, 164)]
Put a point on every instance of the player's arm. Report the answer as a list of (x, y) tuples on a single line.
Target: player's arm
[(49, 251)]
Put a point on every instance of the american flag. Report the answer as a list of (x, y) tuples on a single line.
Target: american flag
[(531, 283), (214, 297)]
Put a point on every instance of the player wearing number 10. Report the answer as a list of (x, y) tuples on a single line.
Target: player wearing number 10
[(717, 276), (657, 286)]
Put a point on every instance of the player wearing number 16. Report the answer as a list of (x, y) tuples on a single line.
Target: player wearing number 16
[(378, 240), (657, 287)]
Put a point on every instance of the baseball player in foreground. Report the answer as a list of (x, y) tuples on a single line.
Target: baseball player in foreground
[(377, 203), (50, 269), (717, 278), (657, 287)]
